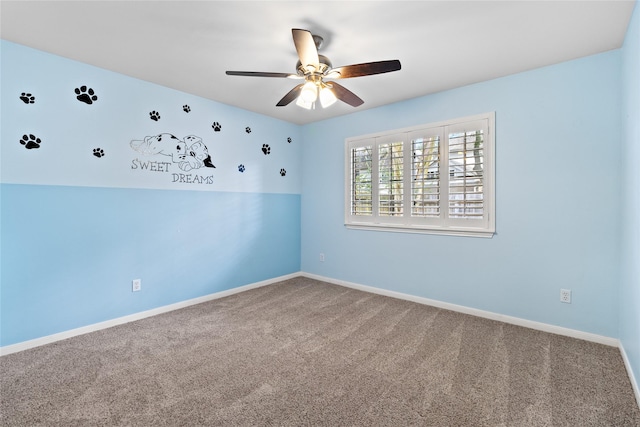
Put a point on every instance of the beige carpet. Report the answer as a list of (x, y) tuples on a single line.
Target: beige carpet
[(308, 353)]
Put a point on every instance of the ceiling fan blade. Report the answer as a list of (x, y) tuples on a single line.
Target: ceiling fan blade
[(306, 48), (345, 95), (262, 74), (366, 69), (293, 94)]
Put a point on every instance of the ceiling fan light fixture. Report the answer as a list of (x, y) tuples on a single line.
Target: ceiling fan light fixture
[(309, 92), (304, 104), (327, 97)]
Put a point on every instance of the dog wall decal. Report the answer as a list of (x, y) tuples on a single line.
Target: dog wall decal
[(189, 153)]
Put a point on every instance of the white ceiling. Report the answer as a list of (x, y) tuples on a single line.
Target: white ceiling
[(188, 45)]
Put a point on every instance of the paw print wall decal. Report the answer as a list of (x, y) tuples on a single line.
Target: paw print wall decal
[(283, 172), (241, 168), (247, 129), (266, 149), (30, 141), (98, 152), (86, 95), (289, 140), (27, 98), (154, 115), (217, 127), (186, 108)]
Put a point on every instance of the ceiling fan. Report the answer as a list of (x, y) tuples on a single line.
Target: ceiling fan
[(315, 68)]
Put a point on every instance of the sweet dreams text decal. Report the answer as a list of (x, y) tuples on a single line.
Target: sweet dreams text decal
[(187, 154)]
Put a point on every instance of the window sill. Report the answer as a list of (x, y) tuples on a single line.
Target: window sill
[(464, 232)]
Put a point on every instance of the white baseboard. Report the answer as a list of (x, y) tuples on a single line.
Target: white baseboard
[(632, 378), (421, 300), (14, 348), (545, 327)]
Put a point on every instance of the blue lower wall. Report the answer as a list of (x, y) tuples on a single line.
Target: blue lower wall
[(69, 254)]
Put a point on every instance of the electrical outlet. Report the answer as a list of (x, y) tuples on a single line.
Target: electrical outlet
[(321, 257), (565, 296), (136, 285)]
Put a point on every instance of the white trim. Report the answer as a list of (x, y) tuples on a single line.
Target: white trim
[(25, 345), (440, 123), (545, 327), (632, 378), (613, 342), (421, 230)]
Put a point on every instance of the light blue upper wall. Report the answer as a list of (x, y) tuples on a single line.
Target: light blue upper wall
[(557, 192), (630, 283), (77, 228), (119, 121)]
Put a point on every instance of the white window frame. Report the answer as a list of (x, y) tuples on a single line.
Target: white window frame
[(482, 227)]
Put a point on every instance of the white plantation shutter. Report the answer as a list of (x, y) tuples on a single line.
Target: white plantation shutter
[(361, 203), (466, 204), (425, 184), (390, 177), (434, 178)]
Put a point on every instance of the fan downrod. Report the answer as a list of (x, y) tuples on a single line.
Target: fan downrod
[(317, 40)]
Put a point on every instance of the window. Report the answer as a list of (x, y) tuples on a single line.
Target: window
[(435, 178)]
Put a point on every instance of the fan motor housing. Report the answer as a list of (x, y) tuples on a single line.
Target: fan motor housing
[(325, 65)]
